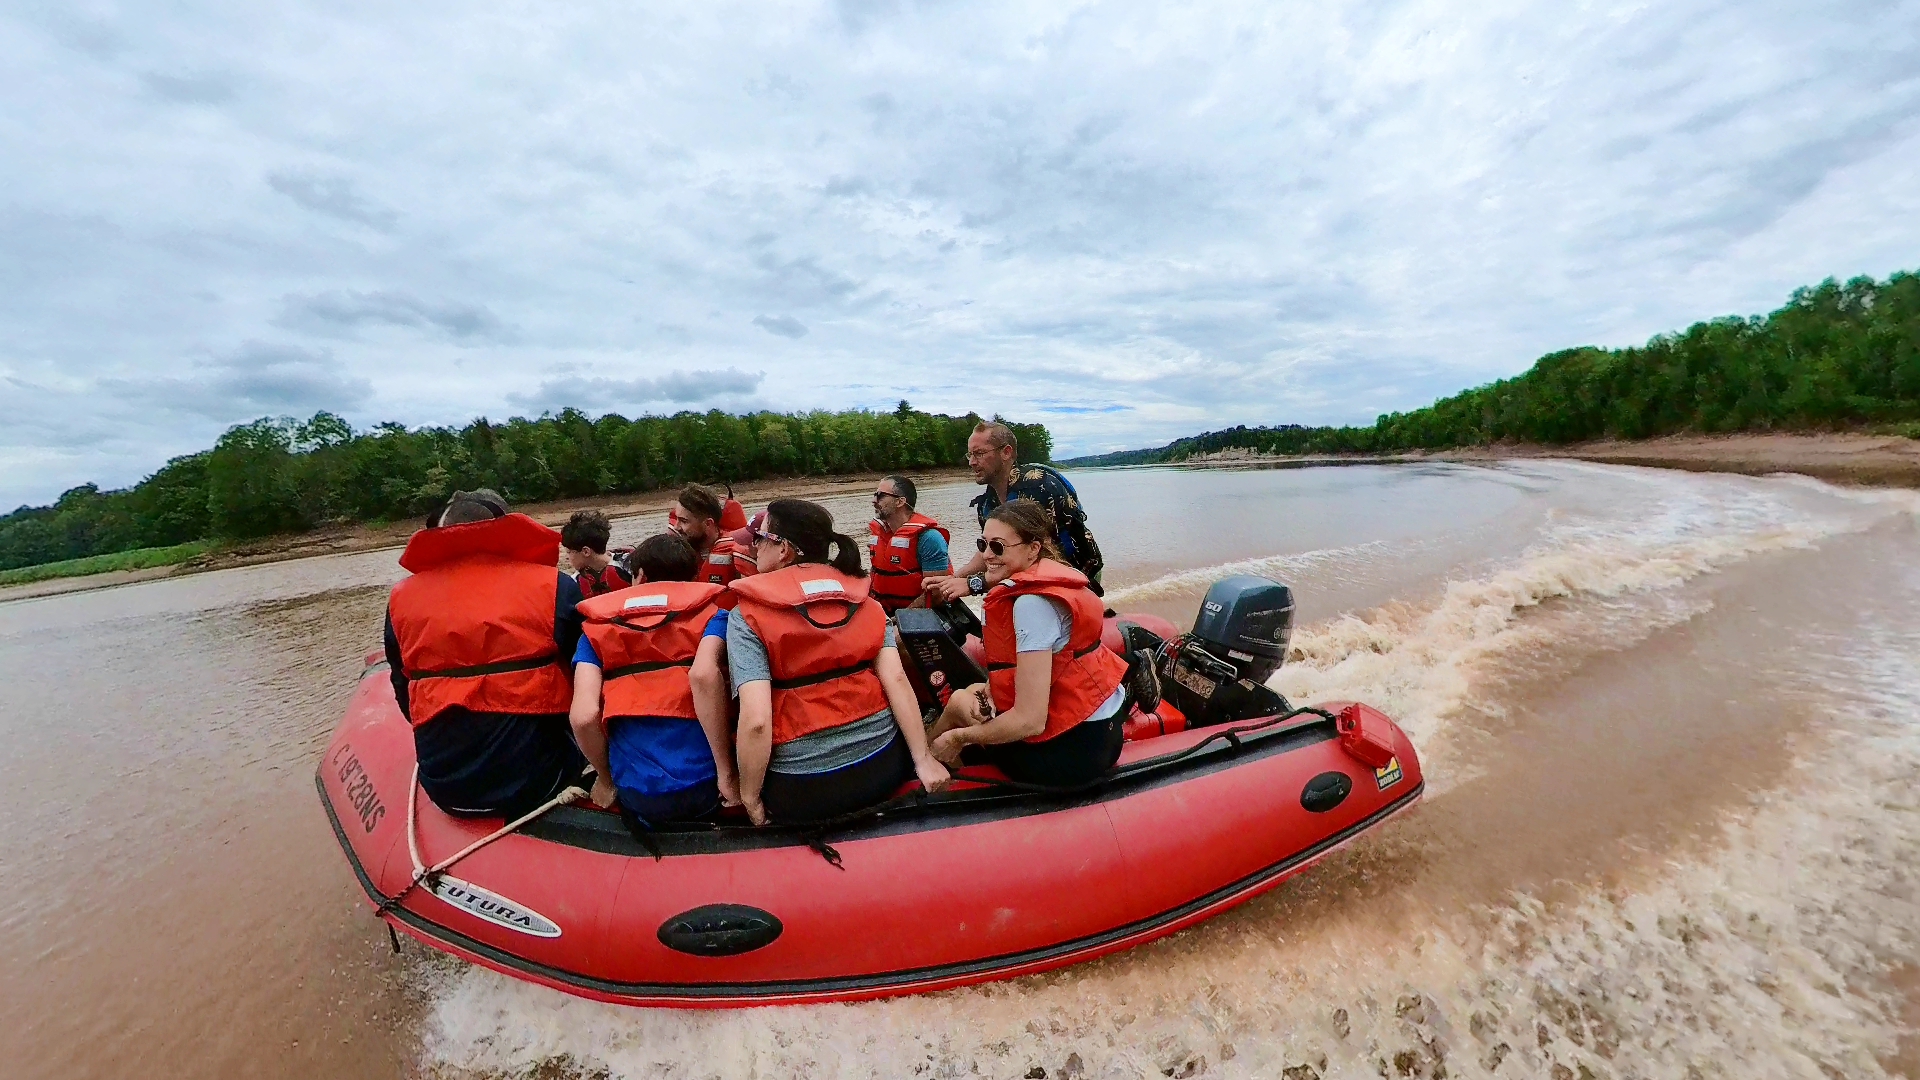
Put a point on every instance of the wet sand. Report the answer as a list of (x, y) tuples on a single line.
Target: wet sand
[(1838, 457)]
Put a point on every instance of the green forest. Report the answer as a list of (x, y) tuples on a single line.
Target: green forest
[(1836, 356), (282, 475)]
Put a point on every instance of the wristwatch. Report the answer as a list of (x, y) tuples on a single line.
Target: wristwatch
[(977, 584)]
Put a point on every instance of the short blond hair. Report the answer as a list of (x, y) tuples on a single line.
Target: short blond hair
[(998, 434)]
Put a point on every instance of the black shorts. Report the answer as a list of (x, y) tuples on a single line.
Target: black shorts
[(1069, 759), (799, 798)]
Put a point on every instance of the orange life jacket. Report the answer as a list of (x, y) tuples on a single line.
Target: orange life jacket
[(895, 555), (475, 621), (609, 578), (729, 561), (1085, 672), (646, 636), (822, 632)]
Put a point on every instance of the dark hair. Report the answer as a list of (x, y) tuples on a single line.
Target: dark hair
[(588, 529), (465, 507), (701, 501), (667, 557), (809, 528), (998, 435), (906, 489), (1030, 521)]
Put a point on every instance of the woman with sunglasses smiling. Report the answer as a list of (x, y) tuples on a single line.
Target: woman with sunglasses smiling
[(1055, 703), (828, 721)]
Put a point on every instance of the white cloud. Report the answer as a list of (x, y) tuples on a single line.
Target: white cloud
[(1132, 220)]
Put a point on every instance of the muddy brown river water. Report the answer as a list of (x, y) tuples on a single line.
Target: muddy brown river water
[(1671, 725)]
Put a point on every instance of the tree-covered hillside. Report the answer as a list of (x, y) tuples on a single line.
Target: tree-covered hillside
[(279, 475), (1836, 356)]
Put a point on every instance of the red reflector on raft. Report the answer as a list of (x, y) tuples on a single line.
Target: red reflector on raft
[(1367, 734)]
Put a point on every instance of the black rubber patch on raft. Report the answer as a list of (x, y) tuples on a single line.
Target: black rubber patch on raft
[(720, 930), (1326, 791)]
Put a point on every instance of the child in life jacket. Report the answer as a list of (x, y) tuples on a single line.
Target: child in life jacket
[(659, 745), (828, 722), (1054, 707), (585, 536)]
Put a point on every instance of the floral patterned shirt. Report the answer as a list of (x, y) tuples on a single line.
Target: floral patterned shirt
[(1044, 485)]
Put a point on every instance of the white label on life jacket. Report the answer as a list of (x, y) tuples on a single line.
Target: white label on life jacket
[(720, 560), (903, 541), (656, 600), (821, 587), (493, 907)]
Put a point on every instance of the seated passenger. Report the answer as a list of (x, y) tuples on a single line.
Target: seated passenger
[(828, 721), (654, 744), (477, 643), (697, 518), (905, 544), (585, 537), (1055, 711)]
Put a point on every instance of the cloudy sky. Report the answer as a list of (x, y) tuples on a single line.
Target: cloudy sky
[(1130, 220)]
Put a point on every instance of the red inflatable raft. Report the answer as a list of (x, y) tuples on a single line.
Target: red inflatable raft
[(973, 884)]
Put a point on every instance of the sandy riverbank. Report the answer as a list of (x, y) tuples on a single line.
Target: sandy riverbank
[(341, 540), (1877, 460)]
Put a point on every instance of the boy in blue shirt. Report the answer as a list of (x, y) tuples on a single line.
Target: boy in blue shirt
[(659, 747)]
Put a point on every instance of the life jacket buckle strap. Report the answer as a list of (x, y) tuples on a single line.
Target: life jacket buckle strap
[(640, 669), (825, 676), (502, 668)]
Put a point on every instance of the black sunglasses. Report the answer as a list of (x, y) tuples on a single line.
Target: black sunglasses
[(887, 495), (998, 548)]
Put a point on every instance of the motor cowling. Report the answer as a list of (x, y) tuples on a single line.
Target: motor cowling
[(1218, 672)]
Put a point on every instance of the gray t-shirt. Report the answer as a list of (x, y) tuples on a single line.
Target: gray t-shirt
[(822, 751), (1043, 624)]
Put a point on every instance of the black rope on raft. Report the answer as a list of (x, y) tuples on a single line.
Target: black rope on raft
[(826, 851)]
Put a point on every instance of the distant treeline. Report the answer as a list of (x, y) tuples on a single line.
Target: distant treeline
[(279, 475), (1836, 356)]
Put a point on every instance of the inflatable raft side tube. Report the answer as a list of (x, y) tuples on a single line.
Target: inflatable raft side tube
[(865, 986)]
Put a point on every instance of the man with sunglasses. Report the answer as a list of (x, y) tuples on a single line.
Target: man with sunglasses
[(906, 544), (993, 456)]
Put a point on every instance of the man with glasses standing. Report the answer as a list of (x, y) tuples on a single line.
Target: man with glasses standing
[(906, 545), (993, 457)]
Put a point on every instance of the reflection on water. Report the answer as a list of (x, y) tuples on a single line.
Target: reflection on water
[(1669, 721)]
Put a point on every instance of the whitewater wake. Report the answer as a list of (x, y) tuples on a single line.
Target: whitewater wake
[(1757, 958)]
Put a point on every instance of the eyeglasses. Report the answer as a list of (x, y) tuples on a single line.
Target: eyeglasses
[(768, 538), (982, 455), (998, 548), (886, 495)]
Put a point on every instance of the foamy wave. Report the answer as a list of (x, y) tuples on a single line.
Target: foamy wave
[(1184, 582), (1757, 960), (1752, 961), (1417, 662)]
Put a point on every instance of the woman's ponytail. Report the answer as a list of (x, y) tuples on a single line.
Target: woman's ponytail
[(846, 557), (809, 528)]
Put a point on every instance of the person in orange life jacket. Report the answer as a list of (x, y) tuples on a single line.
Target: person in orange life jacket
[(697, 518), (477, 644), (662, 750), (585, 537), (828, 721), (905, 544), (1054, 708)]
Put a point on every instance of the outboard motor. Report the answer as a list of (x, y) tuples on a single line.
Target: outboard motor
[(1218, 673)]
